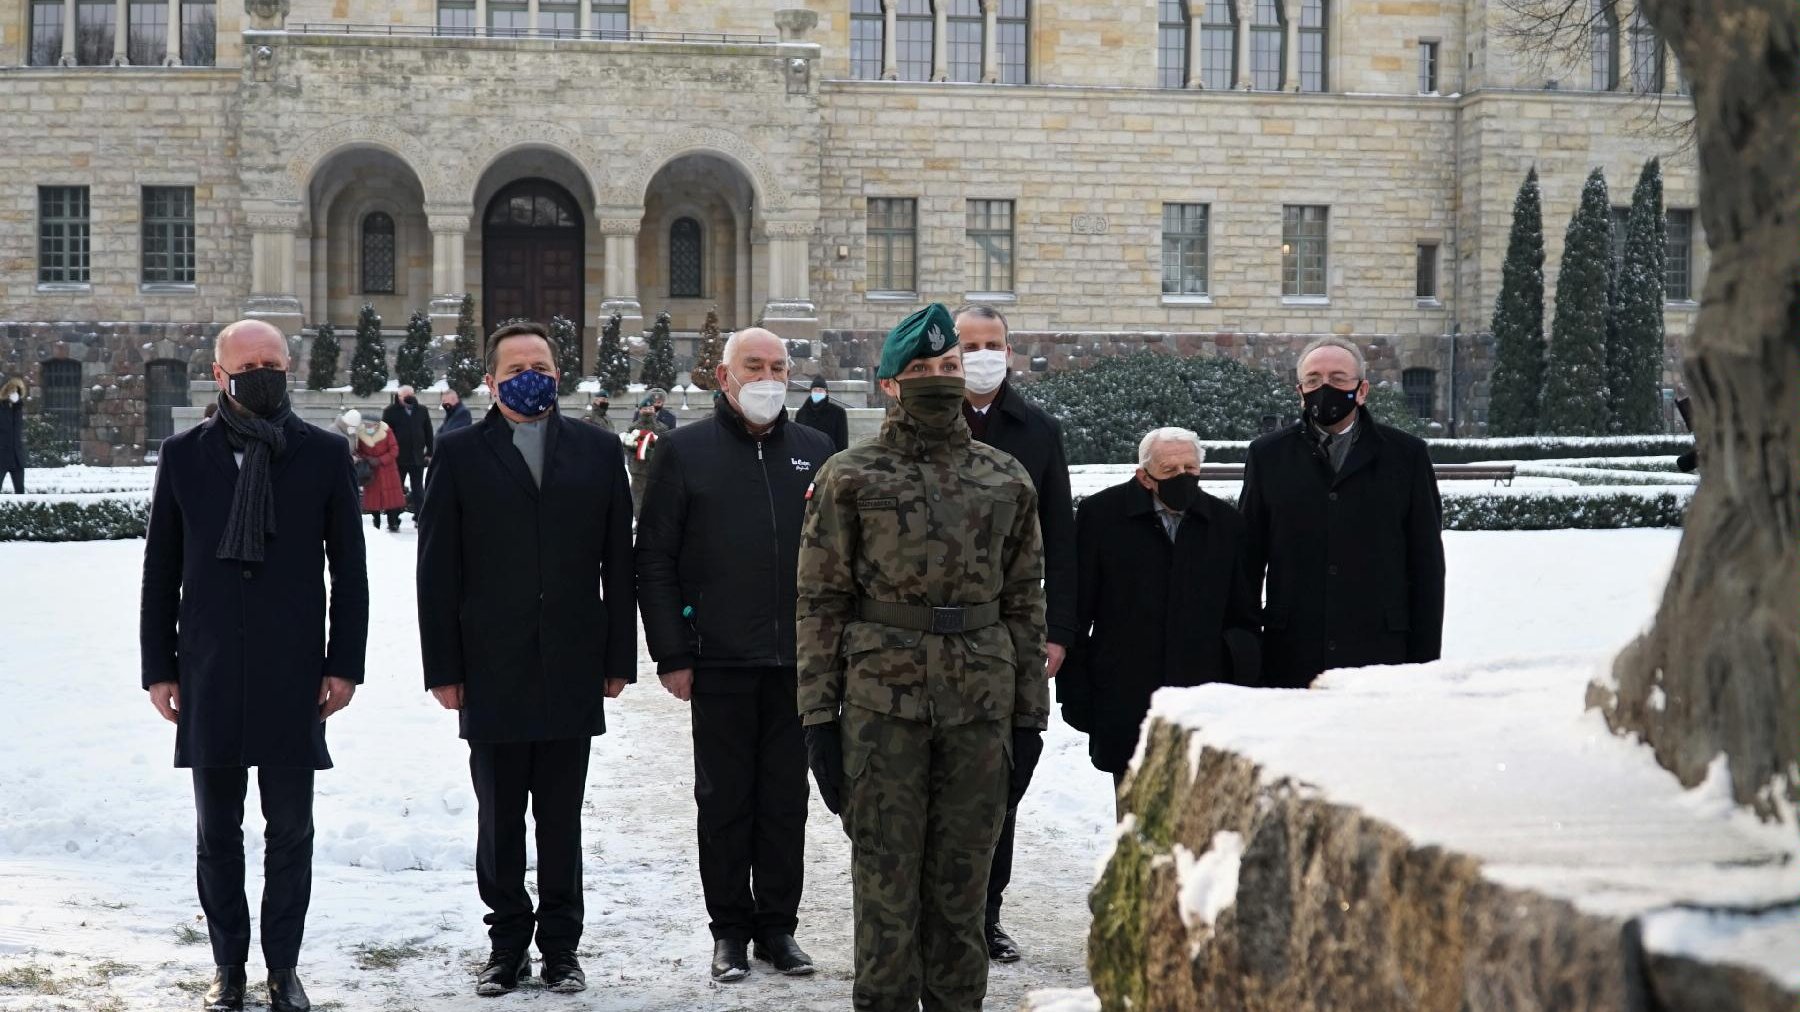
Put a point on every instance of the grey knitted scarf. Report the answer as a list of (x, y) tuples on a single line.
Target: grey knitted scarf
[(252, 518)]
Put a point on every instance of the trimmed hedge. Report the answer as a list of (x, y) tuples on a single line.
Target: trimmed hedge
[(1469, 451), (35, 519), (1530, 512)]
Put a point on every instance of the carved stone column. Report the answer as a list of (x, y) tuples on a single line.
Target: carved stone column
[(121, 33), (940, 27), (273, 293), (172, 48), (619, 227), (1290, 45), (449, 228), (68, 50), (890, 64), (1196, 45), (790, 311), (1244, 15), (990, 46)]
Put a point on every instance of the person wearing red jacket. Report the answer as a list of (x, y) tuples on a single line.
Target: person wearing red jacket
[(375, 443)]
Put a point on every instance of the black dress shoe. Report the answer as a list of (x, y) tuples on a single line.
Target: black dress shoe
[(504, 969), (1000, 945), (562, 972), (227, 991), (731, 960), (784, 954), (285, 992)]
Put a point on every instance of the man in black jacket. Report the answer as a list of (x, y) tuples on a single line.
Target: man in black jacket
[(456, 413), (412, 431), (250, 508), (527, 626), (820, 413), (1343, 515), (1164, 598), (718, 545), (1001, 418)]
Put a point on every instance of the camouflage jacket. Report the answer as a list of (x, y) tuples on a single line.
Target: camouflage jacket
[(898, 519)]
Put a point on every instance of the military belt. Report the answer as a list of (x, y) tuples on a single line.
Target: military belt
[(926, 618)]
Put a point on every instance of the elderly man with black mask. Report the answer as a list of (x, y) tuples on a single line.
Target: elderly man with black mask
[(252, 508)]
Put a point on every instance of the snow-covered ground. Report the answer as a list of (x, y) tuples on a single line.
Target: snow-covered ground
[(97, 906)]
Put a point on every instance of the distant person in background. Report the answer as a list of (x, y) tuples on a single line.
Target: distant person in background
[(645, 431), (456, 413), (820, 413), (1344, 518), (660, 398), (253, 513), (375, 443), (598, 406), (12, 432), (411, 425), (1688, 462)]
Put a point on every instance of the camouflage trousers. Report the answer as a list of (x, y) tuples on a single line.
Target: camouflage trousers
[(923, 806)]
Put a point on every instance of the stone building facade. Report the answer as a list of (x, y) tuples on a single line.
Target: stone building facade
[(1206, 176)]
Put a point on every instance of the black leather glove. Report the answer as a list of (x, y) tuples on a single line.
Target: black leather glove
[(1028, 747), (825, 754)]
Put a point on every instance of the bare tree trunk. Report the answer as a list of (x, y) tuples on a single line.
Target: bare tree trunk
[(1720, 670)]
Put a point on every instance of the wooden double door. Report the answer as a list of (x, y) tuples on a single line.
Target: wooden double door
[(533, 255)]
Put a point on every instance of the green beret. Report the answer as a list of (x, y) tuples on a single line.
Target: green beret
[(927, 333)]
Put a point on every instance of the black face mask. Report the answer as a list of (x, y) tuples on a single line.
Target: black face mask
[(411, 402), (1178, 491), (262, 392), (1328, 405), (600, 407)]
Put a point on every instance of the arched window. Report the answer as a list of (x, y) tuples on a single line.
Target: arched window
[(1603, 45), (1646, 56), (868, 28), (1171, 43), (1268, 43), (378, 253), (684, 259), (913, 39), (1312, 45), (1420, 386), (61, 381), (1218, 42), (165, 388)]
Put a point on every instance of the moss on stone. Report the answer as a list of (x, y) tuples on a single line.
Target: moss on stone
[(1116, 941)]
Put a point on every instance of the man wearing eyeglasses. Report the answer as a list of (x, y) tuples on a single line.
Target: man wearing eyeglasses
[(1344, 519)]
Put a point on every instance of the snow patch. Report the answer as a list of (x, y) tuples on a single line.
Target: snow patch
[(1062, 999), (1768, 942), (1658, 698), (1206, 886)]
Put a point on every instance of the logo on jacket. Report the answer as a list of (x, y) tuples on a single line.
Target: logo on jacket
[(800, 465)]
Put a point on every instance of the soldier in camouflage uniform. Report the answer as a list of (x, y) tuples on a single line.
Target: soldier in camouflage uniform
[(921, 670)]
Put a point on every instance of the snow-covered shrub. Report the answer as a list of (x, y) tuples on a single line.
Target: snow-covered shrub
[(27, 518)]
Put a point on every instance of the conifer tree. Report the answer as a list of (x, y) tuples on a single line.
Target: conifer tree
[(322, 364), (466, 364), (613, 361), (712, 352), (659, 360), (368, 367), (1634, 350), (567, 342), (1575, 395), (1518, 381), (410, 362)]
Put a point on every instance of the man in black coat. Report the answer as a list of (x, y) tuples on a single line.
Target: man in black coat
[(1343, 515), (819, 412), (12, 433), (527, 626), (1164, 598), (250, 509), (456, 413), (412, 431), (717, 551), (1001, 418)]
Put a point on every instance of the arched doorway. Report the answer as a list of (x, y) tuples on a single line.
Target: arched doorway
[(532, 251)]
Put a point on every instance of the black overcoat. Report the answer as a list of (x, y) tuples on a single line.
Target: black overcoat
[(12, 435), (412, 430), (827, 417), (1153, 613), (248, 642), (1021, 428), (526, 594), (1354, 560)]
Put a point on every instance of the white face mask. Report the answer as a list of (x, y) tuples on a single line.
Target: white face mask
[(818, 397), (13, 397), (984, 371), (761, 401)]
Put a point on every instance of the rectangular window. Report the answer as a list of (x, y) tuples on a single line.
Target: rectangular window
[(1420, 386), (62, 235), (867, 26), (94, 32), (912, 43), (1428, 68), (1184, 249), (892, 238), (612, 20), (1312, 45), (1171, 43), (509, 19), (1218, 40), (1012, 47), (456, 17), (558, 20), (199, 33), (1678, 276), (46, 33), (1425, 287), (1303, 250), (963, 45), (990, 230), (168, 235), (148, 42)]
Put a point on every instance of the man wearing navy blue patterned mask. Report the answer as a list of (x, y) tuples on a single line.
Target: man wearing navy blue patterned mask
[(527, 595)]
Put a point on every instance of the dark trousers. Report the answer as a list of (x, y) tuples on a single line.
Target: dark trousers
[(552, 775), (17, 473), (1001, 872), (413, 477), (287, 861), (750, 784)]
